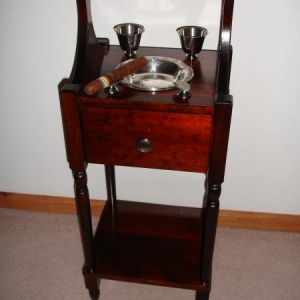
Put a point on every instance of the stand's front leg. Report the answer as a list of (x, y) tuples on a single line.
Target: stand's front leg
[(86, 230), (202, 295), (91, 283)]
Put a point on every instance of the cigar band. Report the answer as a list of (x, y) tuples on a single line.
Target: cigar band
[(104, 80), (112, 77)]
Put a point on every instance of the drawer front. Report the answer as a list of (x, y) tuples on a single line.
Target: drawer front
[(161, 140)]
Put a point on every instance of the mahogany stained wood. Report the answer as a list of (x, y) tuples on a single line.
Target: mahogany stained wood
[(150, 243), (89, 51), (203, 85), (190, 136), (111, 137)]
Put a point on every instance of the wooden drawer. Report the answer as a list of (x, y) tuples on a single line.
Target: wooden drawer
[(161, 140)]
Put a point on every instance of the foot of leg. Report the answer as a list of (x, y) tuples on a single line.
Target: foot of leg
[(202, 295), (92, 283), (94, 294)]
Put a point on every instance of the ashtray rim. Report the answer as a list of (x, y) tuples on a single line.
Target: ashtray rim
[(186, 73)]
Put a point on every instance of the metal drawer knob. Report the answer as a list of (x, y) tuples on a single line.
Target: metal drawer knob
[(144, 145)]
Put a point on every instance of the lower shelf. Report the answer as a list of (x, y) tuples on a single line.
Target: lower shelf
[(150, 243)]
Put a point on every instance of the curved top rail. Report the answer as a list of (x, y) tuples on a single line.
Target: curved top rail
[(226, 24), (224, 47), (89, 52)]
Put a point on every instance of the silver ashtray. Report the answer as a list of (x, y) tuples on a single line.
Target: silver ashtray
[(160, 73)]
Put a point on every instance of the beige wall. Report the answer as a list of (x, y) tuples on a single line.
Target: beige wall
[(38, 41)]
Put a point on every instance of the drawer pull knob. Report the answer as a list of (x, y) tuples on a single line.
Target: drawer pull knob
[(144, 145)]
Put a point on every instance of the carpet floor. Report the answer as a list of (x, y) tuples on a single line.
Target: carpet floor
[(41, 259)]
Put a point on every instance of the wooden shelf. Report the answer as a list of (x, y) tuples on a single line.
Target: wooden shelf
[(203, 84), (150, 243)]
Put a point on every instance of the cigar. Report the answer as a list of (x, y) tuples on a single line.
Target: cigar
[(114, 76)]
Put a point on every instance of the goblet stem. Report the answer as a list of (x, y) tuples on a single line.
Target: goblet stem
[(130, 53), (191, 56)]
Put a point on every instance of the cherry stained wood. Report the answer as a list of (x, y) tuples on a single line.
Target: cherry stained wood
[(179, 141), (150, 243)]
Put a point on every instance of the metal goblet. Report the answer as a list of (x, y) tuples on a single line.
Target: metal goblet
[(129, 35), (192, 39)]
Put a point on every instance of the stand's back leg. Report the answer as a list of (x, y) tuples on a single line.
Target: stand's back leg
[(210, 223)]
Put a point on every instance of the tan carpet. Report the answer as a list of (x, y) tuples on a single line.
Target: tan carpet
[(41, 258)]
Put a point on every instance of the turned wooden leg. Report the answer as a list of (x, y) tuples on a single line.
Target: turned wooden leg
[(111, 184), (84, 217), (92, 284), (202, 295), (210, 223), (94, 294), (86, 230)]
